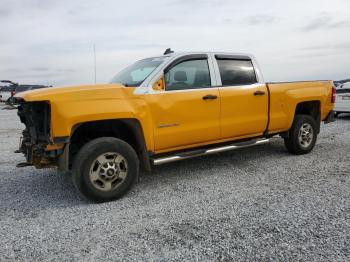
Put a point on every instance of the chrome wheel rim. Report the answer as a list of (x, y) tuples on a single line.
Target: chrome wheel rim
[(306, 134), (108, 171)]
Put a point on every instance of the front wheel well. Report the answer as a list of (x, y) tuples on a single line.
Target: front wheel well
[(128, 130)]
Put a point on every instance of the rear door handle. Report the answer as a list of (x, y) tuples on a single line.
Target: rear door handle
[(209, 97), (259, 93)]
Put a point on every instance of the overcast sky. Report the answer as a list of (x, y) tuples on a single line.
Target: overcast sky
[(51, 42)]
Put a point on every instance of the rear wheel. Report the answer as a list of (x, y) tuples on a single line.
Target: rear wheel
[(105, 169), (301, 137)]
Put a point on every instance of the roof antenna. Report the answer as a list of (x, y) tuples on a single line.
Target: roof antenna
[(168, 51)]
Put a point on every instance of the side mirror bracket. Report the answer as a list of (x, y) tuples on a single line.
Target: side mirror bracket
[(159, 85)]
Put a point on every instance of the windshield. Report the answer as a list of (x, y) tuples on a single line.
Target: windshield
[(135, 74)]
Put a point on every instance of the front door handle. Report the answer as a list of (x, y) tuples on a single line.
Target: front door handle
[(210, 97), (259, 93)]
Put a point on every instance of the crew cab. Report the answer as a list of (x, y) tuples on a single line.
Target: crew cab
[(163, 109)]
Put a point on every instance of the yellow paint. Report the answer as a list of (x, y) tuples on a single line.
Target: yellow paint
[(182, 118), (74, 105), (286, 96), (174, 120), (243, 113), (212, 142), (54, 147)]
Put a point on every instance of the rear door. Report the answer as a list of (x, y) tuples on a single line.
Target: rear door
[(244, 101)]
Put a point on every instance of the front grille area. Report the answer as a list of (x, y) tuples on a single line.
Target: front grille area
[(36, 135), (36, 117)]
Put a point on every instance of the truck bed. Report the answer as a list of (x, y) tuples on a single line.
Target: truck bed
[(284, 97)]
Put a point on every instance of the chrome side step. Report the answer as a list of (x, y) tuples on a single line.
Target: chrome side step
[(202, 152)]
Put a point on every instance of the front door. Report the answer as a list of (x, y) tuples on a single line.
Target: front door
[(188, 111)]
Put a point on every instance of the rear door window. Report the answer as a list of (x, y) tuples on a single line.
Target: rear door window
[(235, 72)]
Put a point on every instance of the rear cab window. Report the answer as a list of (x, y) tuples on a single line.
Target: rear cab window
[(236, 70)]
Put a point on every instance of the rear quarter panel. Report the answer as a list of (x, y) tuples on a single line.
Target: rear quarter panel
[(284, 97)]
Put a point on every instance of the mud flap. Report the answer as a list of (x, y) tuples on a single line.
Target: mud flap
[(63, 160), (330, 118)]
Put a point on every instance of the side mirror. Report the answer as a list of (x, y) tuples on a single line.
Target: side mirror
[(159, 85)]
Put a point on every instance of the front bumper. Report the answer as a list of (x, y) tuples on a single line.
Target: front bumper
[(330, 117)]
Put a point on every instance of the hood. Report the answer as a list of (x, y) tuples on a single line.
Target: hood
[(83, 92)]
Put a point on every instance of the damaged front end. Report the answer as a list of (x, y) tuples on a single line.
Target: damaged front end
[(36, 139)]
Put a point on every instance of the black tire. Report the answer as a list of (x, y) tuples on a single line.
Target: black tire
[(291, 141), (87, 156), (336, 114)]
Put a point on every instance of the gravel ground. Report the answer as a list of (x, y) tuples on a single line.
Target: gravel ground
[(252, 204)]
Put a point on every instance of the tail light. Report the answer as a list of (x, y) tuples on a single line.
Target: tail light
[(334, 93), (13, 93)]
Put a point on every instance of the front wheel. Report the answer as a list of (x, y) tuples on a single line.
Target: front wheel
[(301, 137), (105, 169)]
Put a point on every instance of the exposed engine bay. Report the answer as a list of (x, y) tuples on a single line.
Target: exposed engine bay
[(36, 135)]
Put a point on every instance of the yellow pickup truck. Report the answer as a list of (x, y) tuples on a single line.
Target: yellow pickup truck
[(162, 109)]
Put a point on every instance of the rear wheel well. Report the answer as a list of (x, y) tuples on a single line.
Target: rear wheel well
[(311, 108), (128, 130)]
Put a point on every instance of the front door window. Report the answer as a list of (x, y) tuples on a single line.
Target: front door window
[(189, 74)]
